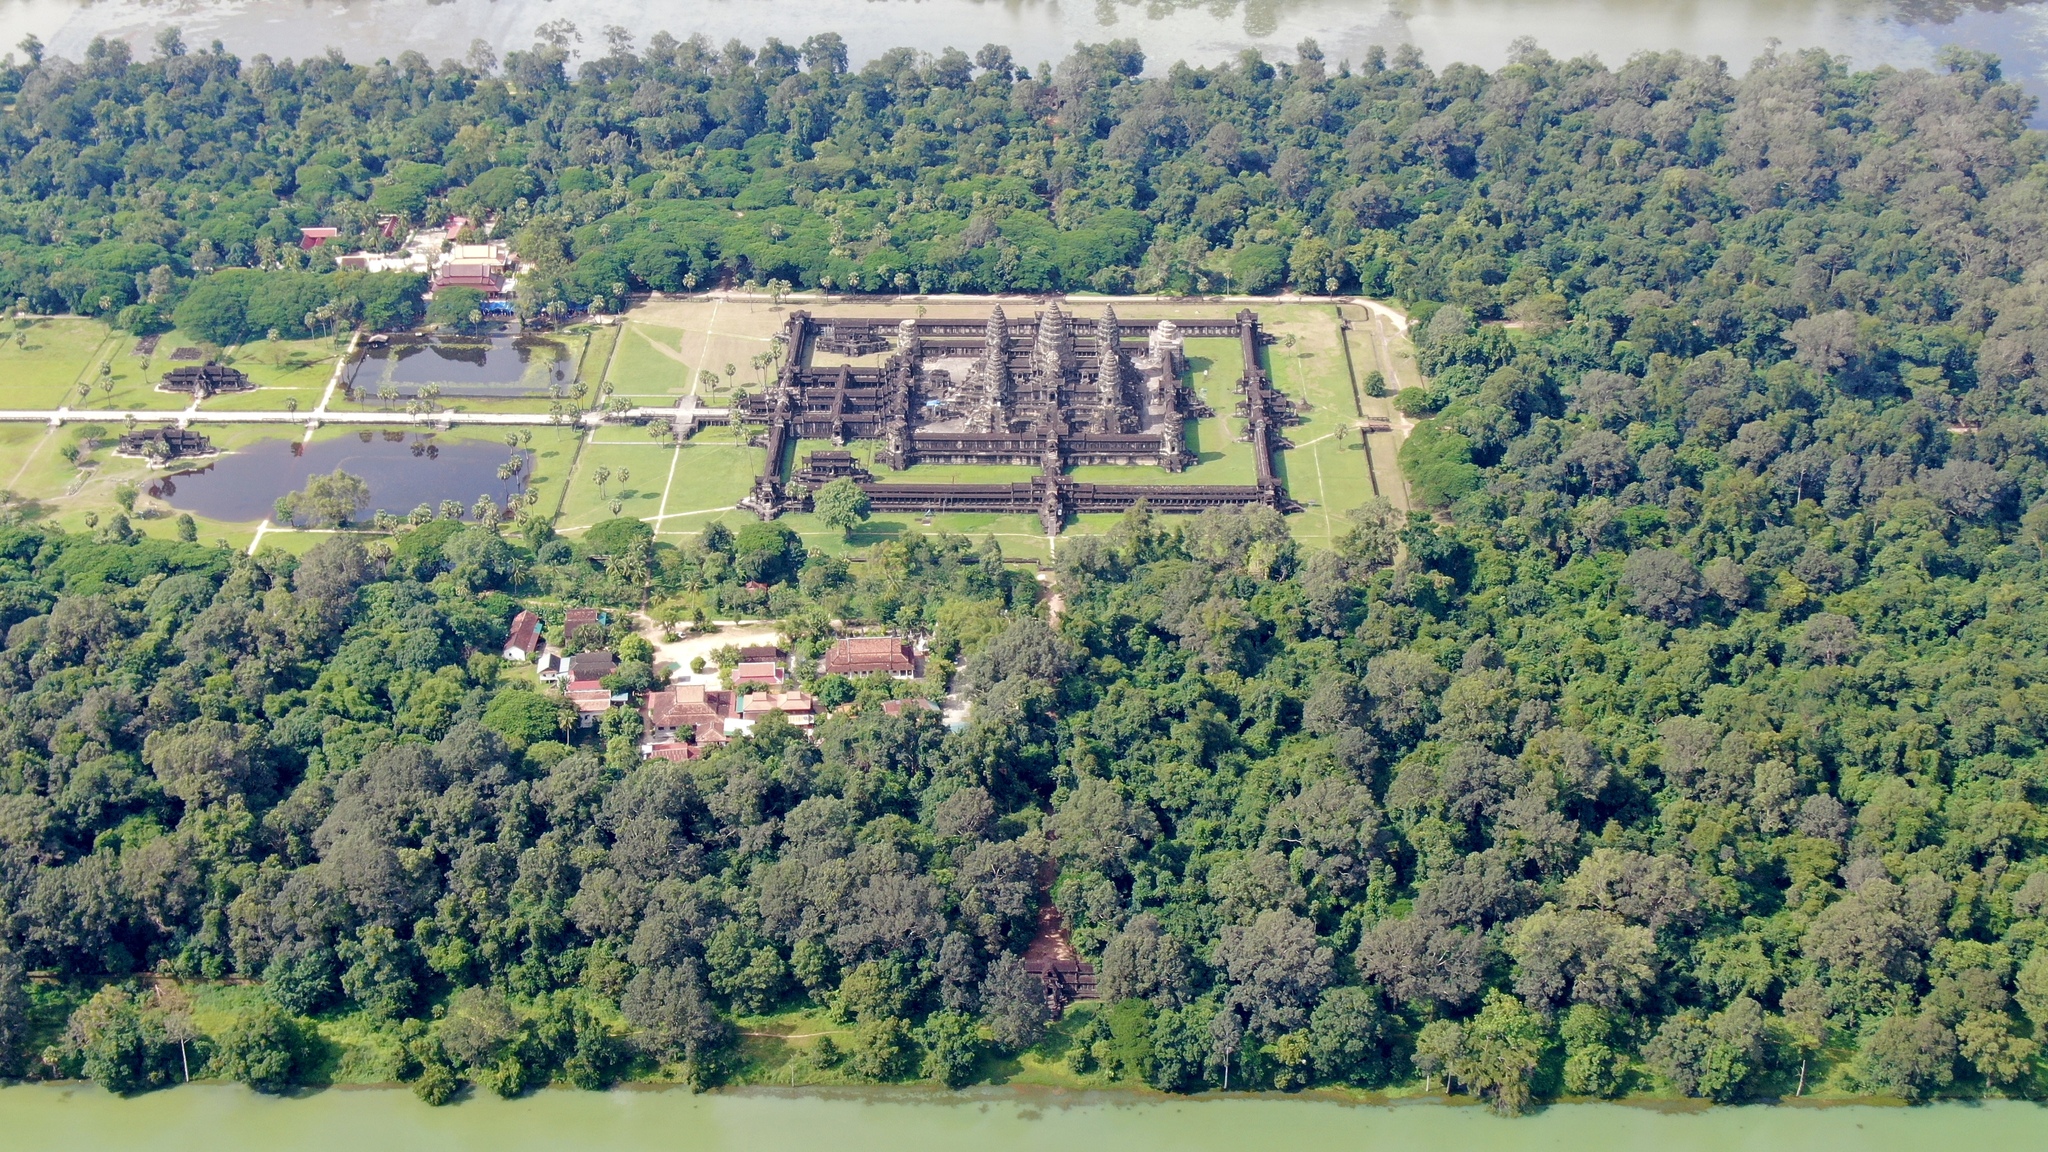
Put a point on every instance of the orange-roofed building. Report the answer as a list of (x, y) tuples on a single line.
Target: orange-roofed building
[(860, 655)]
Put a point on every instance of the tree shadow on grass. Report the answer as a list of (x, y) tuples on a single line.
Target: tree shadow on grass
[(878, 531)]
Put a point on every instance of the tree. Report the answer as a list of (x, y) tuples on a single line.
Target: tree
[(1593, 1066), (14, 1007), (1277, 969), (1662, 584), (952, 1047), (1349, 1035), (1013, 1003), (333, 499), (1143, 960), (124, 1048), (671, 1008), (1908, 1055), (1710, 1056), (1502, 1046), (262, 1048), (1587, 957), (841, 504)]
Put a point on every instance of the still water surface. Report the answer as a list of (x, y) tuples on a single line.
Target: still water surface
[(404, 470), (1869, 32), (211, 1118), (464, 366)]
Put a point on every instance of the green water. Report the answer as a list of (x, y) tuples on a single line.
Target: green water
[(208, 1118)]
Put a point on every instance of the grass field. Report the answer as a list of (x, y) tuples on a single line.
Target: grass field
[(649, 365), (42, 362), (635, 473)]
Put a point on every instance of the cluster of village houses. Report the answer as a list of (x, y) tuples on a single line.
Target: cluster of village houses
[(695, 711)]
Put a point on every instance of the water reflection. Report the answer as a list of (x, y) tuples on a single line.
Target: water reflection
[(481, 366), (404, 470), (1870, 32)]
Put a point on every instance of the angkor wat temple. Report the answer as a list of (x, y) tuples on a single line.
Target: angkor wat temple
[(1054, 391)]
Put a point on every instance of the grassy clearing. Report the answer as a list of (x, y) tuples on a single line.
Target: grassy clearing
[(43, 361), (708, 478), (634, 473), (715, 336), (650, 362), (1327, 471)]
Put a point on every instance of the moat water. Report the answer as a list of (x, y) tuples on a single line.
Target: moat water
[(1868, 32), (219, 1118), (484, 366), (403, 469)]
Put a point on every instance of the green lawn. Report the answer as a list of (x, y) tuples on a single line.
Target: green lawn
[(43, 361), (645, 468), (710, 476), (1327, 471), (649, 362)]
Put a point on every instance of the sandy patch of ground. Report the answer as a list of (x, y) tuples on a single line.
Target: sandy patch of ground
[(681, 652)]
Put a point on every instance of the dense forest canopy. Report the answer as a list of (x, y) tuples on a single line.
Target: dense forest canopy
[(1694, 742)]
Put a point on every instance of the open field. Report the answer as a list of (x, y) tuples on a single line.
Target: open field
[(649, 365), (42, 362)]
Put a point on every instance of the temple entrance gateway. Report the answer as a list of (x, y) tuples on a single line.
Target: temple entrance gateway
[(1052, 391)]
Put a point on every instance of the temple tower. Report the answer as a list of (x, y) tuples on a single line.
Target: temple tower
[(1052, 357), (1113, 410)]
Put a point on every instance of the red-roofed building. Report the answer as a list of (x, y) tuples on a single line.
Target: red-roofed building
[(800, 707), (525, 641), (485, 278), (914, 704), (311, 238), (761, 652), (757, 672), (580, 618), (671, 750), (685, 708), (592, 700), (860, 655)]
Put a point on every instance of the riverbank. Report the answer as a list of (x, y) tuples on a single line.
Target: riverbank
[(213, 1118)]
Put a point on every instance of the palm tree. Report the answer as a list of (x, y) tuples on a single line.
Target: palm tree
[(603, 476)]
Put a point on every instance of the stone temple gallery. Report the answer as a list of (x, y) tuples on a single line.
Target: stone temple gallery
[(1053, 391)]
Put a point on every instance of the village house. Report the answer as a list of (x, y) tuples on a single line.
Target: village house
[(585, 679), (861, 655), (683, 712), (800, 707), (592, 700), (580, 618), (553, 666), (311, 238), (594, 665), (912, 704), (757, 672), (525, 640), (758, 653)]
